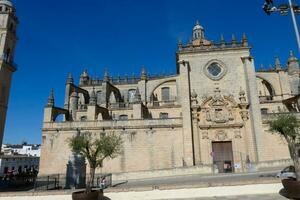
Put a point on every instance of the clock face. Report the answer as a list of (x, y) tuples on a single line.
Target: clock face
[(214, 69)]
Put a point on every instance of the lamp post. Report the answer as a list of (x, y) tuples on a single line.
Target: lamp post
[(283, 9)]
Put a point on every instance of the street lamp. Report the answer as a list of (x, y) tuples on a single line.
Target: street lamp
[(283, 9)]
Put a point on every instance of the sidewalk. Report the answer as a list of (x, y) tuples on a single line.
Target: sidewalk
[(270, 190)]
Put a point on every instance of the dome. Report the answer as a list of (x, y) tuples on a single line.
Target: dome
[(6, 2), (197, 26)]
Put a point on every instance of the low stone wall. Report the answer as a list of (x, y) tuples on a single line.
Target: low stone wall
[(204, 169), (274, 164)]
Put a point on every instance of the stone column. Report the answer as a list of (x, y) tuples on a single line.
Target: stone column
[(253, 100), (185, 100)]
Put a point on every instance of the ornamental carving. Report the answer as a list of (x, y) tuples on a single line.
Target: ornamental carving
[(219, 108), (221, 136)]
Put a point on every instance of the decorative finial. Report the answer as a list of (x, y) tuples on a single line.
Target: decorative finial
[(143, 73), (277, 64), (197, 22), (93, 98), (242, 94), (244, 40), (270, 67), (70, 79), (106, 74), (194, 95), (179, 44), (137, 96), (292, 58), (51, 99), (222, 41), (233, 42)]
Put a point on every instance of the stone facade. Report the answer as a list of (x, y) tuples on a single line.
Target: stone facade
[(8, 38), (212, 112)]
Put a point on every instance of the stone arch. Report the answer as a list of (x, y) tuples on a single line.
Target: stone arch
[(161, 83), (270, 89)]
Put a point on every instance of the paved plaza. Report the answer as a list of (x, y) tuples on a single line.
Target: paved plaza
[(245, 197)]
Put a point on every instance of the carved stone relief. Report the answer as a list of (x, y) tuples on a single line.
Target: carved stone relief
[(221, 136)]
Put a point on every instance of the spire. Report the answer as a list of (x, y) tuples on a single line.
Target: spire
[(137, 96), (93, 98), (233, 42), (84, 73), (244, 40), (179, 46), (143, 73), (270, 67), (277, 64), (70, 79), (292, 58), (222, 41), (105, 74), (51, 99)]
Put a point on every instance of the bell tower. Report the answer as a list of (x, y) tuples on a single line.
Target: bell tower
[(8, 40)]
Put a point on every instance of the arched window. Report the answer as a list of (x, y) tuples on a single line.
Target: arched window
[(165, 94), (264, 111), (83, 118), (131, 94), (123, 117)]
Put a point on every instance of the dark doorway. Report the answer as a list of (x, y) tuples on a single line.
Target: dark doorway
[(223, 156)]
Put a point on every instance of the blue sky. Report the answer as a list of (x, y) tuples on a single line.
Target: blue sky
[(58, 37)]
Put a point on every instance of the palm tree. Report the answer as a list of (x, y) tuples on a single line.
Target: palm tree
[(95, 150), (288, 126)]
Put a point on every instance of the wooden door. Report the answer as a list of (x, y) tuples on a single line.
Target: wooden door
[(223, 156)]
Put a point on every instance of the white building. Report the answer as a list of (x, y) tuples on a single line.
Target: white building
[(25, 149), (17, 164)]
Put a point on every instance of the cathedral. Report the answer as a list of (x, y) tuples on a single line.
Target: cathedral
[(211, 115)]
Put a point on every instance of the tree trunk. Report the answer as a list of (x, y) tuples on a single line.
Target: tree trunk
[(295, 157), (92, 176)]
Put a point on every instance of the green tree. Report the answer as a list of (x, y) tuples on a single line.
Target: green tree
[(96, 150), (288, 126)]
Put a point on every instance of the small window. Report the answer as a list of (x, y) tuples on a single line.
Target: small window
[(83, 118), (131, 95), (164, 115), (165, 94), (123, 117), (264, 111)]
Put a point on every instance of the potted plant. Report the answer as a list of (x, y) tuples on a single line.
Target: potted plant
[(95, 150), (287, 126)]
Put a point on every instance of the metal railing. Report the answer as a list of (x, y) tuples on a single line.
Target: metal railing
[(60, 182)]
